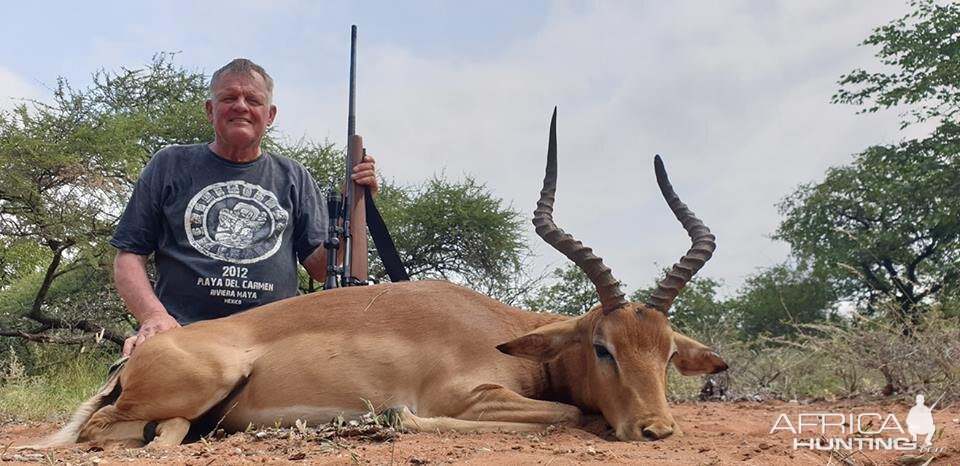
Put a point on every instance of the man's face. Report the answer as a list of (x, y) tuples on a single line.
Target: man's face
[(240, 109)]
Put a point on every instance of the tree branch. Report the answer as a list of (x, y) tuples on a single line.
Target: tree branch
[(912, 266), (873, 280), (41, 337), (48, 278), (905, 288), (36, 313)]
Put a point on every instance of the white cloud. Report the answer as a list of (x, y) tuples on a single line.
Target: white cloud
[(14, 89), (735, 95)]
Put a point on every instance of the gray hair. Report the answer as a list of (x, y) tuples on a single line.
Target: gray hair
[(240, 66)]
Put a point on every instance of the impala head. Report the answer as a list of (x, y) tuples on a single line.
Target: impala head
[(616, 355)]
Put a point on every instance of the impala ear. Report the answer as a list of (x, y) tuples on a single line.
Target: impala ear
[(545, 343), (695, 358)]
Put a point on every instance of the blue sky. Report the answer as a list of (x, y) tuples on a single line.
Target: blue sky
[(734, 94)]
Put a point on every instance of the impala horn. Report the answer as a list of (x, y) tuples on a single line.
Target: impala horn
[(704, 243), (611, 298)]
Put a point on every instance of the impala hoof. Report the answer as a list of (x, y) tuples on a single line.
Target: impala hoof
[(656, 432)]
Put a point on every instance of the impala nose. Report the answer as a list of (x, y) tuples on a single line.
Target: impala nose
[(657, 431)]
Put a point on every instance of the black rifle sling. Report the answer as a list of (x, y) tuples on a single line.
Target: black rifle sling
[(381, 238)]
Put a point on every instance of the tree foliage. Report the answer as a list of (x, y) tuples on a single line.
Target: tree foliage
[(921, 57), (324, 161), (887, 226), (458, 231), (570, 293), (697, 308), (773, 302), (66, 169), (450, 229)]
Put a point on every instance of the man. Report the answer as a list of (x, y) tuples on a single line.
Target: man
[(225, 221)]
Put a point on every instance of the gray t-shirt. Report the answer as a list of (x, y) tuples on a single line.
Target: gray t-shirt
[(225, 235)]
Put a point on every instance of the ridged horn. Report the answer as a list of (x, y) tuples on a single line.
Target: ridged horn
[(608, 288), (704, 243)]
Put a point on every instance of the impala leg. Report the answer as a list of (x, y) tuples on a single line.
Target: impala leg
[(491, 402), (414, 423), (491, 408), (171, 432)]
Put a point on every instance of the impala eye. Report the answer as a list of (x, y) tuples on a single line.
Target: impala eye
[(602, 352)]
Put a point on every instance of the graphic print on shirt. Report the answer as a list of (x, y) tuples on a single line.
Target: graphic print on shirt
[(236, 222)]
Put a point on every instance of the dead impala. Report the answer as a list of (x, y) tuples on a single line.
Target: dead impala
[(443, 356)]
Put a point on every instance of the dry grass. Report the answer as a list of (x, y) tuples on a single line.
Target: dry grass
[(53, 390), (862, 357)]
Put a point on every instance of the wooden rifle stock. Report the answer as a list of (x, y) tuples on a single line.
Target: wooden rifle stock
[(358, 217)]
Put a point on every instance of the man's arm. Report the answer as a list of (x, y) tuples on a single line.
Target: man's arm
[(130, 278), (316, 264)]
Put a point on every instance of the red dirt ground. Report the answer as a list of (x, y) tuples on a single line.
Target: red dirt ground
[(714, 434)]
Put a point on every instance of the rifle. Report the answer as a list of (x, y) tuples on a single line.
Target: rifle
[(354, 217), (351, 209), (357, 201)]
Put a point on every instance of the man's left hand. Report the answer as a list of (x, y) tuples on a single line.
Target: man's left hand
[(365, 173)]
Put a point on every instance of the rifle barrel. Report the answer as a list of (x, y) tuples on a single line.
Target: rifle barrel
[(349, 185), (351, 115)]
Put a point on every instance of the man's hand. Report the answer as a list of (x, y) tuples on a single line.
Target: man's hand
[(365, 173), (130, 277), (156, 323)]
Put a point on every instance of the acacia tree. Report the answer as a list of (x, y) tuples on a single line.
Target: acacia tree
[(66, 168), (887, 227), (458, 231), (451, 229)]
